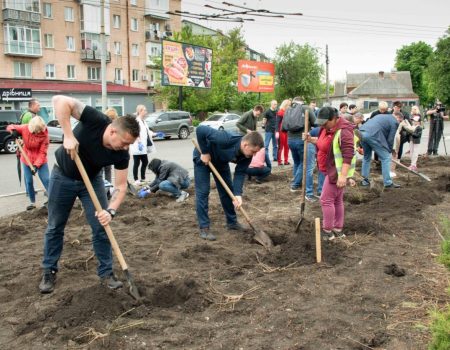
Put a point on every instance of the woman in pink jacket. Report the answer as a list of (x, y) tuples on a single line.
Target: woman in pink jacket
[(35, 146)]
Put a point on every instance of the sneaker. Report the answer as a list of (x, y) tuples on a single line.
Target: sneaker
[(365, 182), (287, 163), (258, 181), (338, 233), (31, 206), (317, 196), (392, 174), (327, 235), (311, 199), (392, 185), (111, 282), (47, 284), (205, 234), (235, 227), (412, 168), (183, 196), (295, 189), (45, 205), (137, 183)]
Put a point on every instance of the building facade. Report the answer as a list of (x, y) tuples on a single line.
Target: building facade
[(58, 41)]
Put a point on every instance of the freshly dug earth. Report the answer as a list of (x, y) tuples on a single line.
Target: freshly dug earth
[(373, 289)]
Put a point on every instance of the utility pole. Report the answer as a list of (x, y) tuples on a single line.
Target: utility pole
[(327, 61), (103, 54)]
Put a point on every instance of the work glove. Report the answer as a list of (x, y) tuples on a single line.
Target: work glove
[(15, 134), (33, 171)]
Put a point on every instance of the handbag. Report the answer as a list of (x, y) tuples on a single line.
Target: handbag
[(150, 146)]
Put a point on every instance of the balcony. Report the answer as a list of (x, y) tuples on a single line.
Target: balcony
[(22, 17), (23, 49), (94, 56)]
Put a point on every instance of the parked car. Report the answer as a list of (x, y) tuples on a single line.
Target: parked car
[(6, 140), (222, 121), (55, 132), (171, 123)]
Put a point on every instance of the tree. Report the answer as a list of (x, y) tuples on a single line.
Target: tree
[(414, 58), (439, 69), (298, 71)]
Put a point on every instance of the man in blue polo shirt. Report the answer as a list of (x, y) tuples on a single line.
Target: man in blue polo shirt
[(221, 148)]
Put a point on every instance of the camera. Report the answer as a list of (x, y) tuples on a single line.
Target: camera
[(440, 108)]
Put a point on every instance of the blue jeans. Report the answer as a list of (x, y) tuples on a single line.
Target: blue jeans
[(259, 173), (270, 136), (167, 186), (296, 146), (202, 189), (62, 193), (310, 165), (43, 174), (371, 144)]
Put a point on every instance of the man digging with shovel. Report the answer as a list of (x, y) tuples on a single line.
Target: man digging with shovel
[(98, 142)]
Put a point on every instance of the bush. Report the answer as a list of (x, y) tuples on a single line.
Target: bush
[(195, 122), (440, 329)]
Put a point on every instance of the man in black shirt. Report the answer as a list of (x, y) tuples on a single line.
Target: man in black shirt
[(270, 116), (99, 142)]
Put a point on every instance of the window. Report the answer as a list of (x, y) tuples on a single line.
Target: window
[(23, 40), (48, 41), (134, 24), (47, 10), (134, 50), (22, 70), (133, 2), (90, 41), (93, 73), (135, 74), (23, 5), (118, 74), (68, 14), (50, 71), (70, 43), (117, 48), (70, 71), (116, 21)]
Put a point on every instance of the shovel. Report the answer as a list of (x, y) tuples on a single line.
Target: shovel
[(30, 165), (412, 171), (132, 287), (305, 159), (260, 236)]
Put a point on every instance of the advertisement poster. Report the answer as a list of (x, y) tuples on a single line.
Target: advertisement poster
[(254, 76), (186, 65)]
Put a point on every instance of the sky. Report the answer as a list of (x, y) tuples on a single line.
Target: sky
[(362, 36)]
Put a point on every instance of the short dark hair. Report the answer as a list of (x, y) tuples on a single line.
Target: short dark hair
[(32, 102), (258, 108), (254, 139), (397, 104), (399, 114), (128, 124), (343, 104), (351, 106)]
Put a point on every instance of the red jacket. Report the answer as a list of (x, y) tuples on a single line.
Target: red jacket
[(347, 148), (34, 145)]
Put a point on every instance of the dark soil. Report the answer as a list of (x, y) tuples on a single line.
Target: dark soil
[(373, 289)]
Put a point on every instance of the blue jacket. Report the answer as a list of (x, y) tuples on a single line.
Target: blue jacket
[(223, 147), (382, 128)]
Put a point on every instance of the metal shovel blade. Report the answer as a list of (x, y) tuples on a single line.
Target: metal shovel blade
[(263, 238), (302, 214), (134, 292), (132, 189)]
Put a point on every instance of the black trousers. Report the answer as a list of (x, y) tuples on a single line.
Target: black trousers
[(140, 158), (436, 131)]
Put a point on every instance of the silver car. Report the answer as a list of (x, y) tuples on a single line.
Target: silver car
[(170, 123), (222, 121), (55, 132)]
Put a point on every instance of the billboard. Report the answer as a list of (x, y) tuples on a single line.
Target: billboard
[(254, 76), (186, 65)]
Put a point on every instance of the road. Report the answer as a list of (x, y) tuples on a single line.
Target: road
[(12, 196)]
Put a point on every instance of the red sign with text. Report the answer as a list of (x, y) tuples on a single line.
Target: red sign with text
[(254, 76)]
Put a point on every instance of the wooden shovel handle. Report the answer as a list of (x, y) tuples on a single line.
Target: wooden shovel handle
[(305, 157), (98, 208), (29, 163), (222, 181)]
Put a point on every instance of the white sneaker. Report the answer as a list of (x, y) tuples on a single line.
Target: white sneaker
[(137, 183), (392, 174), (183, 196)]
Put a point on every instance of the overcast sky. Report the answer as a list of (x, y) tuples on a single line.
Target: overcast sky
[(362, 36)]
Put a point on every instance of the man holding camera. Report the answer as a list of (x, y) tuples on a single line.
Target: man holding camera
[(437, 117)]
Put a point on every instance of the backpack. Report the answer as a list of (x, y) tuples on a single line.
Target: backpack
[(294, 119)]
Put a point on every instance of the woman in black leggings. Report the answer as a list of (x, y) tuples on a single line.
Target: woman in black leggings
[(139, 148)]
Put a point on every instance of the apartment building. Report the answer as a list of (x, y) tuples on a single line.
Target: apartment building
[(54, 46)]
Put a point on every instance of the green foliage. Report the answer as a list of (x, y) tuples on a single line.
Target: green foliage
[(414, 58), (440, 329), (444, 258), (195, 122), (298, 71), (439, 69)]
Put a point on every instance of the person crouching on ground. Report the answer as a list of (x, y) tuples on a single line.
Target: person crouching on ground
[(170, 177), (336, 158), (260, 167), (35, 146), (220, 148), (98, 142)]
